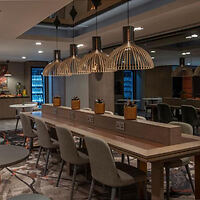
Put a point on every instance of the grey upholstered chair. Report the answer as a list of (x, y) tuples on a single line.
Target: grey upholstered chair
[(109, 112), (187, 129), (27, 129), (44, 141), (29, 197), (89, 109), (141, 117), (164, 113), (70, 154), (190, 116), (108, 172)]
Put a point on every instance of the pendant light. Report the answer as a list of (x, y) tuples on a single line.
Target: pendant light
[(197, 71), (72, 65), (129, 56), (97, 60), (54, 68), (182, 70)]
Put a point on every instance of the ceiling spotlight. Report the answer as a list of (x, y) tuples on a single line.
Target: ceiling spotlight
[(152, 58), (38, 43), (138, 28), (186, 53), (188, 63), (40, 51), (194, 36), (80, 45), (23, 57), (153, 51)]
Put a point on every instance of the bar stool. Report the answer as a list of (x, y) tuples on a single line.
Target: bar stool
[(108, 172), (27, 129), (187, 129), (70, 154), (29, 197), (44, 141)]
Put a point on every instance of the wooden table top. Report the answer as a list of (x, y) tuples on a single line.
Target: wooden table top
[(142, 149), (11, 155)]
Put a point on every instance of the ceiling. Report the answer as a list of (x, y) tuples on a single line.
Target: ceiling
[(20, 30)]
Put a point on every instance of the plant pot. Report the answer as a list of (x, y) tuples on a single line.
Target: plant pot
[(75, 104), (57, 101), (99, 108), (130, 112)]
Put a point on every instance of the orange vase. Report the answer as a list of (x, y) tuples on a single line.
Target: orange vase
[(130, 112), (99, 108), (75, 104)]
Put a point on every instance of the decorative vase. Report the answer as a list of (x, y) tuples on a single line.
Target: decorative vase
[(99, 106), (75, 103), (57, 101), (130, 112)]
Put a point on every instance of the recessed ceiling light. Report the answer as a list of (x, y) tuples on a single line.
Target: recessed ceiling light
[(80, 45), (40, 51), (38, 43), (153, 51), (192, 36), (152, 58), (138, 28), (23, 57)]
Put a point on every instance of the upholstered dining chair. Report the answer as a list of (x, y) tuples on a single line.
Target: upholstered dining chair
[(27, 129), (89, 109), (164, 113), (190, 116), (109, 112), (108, 172), (44, 141), (29, 197), (187, 129), (70, 154)]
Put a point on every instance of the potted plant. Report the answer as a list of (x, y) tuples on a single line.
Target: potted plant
[(75, 103), (130, 110), (57, 101), (99, 106)]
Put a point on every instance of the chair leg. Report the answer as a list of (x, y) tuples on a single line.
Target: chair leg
[(122, 158), (16, 124), (73, 182), (60, 173), (128, 159), (190, 177), (167, 182), (91, 190), (40, 150), (24, 141), (113, 193), (31, 144), (47, 161)]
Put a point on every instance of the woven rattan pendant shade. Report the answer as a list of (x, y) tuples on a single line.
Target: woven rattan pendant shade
[(197, 71), (54, 68), (182, 70), (97, 60), (129, 56)]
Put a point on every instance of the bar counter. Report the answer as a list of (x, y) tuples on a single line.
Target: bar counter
[(6, 100), (145, 140)]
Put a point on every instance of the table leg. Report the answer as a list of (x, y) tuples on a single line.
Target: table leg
[(157, 181), (142, 166), (197, 177)]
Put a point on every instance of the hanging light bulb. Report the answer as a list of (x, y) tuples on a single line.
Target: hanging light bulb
[(97, 60), (54, 68), (182, 70), (129, 56), (72, 65)]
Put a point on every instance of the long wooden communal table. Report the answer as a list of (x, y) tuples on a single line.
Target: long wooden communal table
[(145, 140)]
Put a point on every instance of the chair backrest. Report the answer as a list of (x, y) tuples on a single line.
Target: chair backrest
[(109, 112), (185, 127), (164, 113), (101, 161), (44, 139), (67, 145), (189, 114), (26, 125)]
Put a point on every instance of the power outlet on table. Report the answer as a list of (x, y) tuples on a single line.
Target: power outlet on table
[(119, 125), (91, 119)]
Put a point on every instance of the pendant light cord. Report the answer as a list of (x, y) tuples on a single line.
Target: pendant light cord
[(73, 25), (56, 37), (128, 12), (96, 22)]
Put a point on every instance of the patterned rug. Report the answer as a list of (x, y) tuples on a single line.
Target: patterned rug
[(11, 186)]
